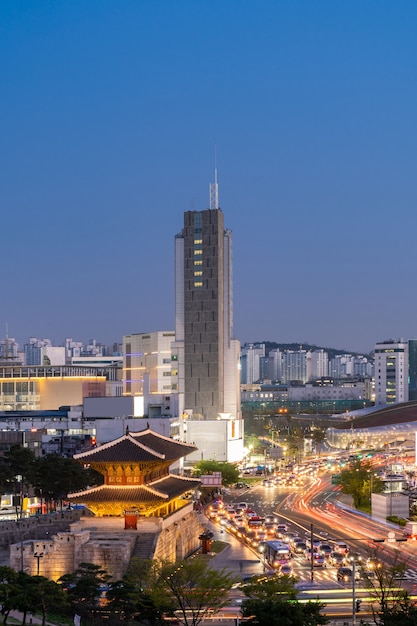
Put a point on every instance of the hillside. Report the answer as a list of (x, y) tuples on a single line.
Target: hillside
[(332, 352)]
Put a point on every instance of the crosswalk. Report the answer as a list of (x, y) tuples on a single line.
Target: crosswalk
[(329, 575)]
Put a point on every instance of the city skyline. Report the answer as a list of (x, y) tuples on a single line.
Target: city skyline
[(110, 118)]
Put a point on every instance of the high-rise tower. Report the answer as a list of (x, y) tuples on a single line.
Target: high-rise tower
[(208, 356), (391, 372)]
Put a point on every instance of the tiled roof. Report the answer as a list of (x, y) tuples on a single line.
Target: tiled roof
[(137, 447), (164, 489), (164, 445), (387, 416)]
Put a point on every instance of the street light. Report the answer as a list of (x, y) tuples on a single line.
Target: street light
[(38, 556)]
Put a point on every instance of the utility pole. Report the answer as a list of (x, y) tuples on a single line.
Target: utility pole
[(354, 592), (311, 554)]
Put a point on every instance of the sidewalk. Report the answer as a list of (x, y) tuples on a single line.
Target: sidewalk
[(18, 617), (237, 558)]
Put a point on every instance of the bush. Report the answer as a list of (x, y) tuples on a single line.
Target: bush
[(397, 520)]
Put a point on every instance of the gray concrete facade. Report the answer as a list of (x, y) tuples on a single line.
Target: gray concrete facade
[(203, 312)]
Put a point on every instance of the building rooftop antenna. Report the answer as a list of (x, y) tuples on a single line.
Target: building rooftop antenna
[(214, 187)]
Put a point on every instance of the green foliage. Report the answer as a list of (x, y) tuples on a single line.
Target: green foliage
[(21, 592), (16, 462), (230, 473), (397, 520), (48, 596), (56, 476), (137, 596), (260, 587), (194, 589), (279, 612), (273, 602), (52, 476), (404, 613), (358, 481), (319, 437), (384, 585), (83, 588)]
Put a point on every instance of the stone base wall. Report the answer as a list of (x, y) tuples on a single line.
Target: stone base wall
[(180, 536), (37, 527), (52, 558), (105, 543)]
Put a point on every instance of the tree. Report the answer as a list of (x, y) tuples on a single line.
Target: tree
[(230, 473), (83, 588), (48, 595), (260, 588), (319, 437), (358, 480), (136, 594), (17, 472), (56, 476), (280, 612), (194, 588), (8, 587), (273, 602), (388, 597), (404, 613), (24, 596)]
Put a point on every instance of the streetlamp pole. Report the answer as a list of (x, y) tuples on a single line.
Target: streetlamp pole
[(38, 556), (354, 592)]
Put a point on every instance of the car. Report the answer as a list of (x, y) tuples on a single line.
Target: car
[(289, 536), (341, 546), (344, 574), (281, 530), (325, 550), (297, 539), (355, 556), (372, 564), (337, 558), (300, 547), (318, 560), (307, 553), (286, 570)]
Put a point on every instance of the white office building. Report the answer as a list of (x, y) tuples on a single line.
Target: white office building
[(147, 356), (391, 372), (251, 362)]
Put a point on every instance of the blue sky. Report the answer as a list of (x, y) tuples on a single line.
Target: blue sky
[(109, 115)]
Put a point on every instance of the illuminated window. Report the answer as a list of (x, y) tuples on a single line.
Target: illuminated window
[(197, 241), (198, 284), (199, 262), (198, 252), (198, 273)]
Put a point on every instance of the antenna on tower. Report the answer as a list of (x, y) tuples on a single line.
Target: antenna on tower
[(214, 187)]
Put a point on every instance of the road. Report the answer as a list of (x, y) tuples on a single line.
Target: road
[(313, 508)]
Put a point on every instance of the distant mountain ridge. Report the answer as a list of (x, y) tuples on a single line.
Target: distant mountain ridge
[(332, 352)]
